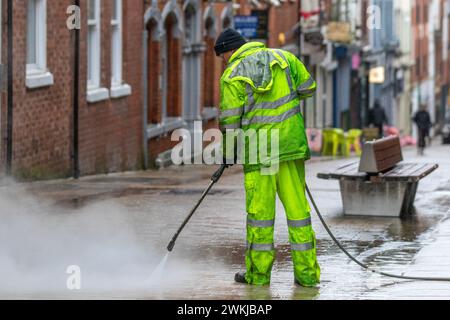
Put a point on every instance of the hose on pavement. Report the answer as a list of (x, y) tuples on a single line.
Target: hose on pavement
[(364, 266)]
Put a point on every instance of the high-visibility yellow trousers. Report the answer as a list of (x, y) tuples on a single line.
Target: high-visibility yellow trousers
[(261, 191)]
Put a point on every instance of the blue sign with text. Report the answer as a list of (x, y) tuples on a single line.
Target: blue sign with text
[(247, 26)]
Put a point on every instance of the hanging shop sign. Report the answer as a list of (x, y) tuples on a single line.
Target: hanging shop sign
[(377, 75), (339, 32)]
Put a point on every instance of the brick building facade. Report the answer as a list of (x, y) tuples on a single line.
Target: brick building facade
[(145, 69), (110, 126)]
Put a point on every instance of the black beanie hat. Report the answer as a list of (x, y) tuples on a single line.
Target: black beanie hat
[(229, 40)]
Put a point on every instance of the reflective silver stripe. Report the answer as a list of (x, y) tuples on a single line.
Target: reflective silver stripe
[(287, 71), (260, 247), (302, 246), (231, 112), (230, 126), (235, 70), (281, 55), (274, 104), (289, 79), (252, 105), (307, 92), (260, 223), (250, 98), (308, 83), (271, 119), (299, 223)]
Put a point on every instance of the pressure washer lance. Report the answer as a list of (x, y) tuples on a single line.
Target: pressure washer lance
[(214, 179), (218, 174)]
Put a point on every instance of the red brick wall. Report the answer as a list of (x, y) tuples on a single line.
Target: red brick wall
[(209, 75), (281, 20), (111, 130), (3, 101), (211, 72), (420, 17), (42, 117), (153, 76), (174, 92)]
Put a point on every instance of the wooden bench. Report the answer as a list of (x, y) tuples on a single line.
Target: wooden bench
[(379, 185)]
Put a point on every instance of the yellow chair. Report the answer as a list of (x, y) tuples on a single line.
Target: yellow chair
[(337, 142), (351, 139), (328, 142), (333, 142), (340, 142)]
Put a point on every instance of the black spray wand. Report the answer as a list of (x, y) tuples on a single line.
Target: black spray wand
[(214, 179)]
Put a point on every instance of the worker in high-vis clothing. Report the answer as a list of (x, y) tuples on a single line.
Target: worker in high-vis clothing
[(261, 89)]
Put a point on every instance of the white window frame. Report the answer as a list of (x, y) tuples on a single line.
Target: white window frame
[(37, 74), (94, 92), (118, 88)]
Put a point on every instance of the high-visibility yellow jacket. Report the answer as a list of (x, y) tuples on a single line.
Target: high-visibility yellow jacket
[(261, 89)]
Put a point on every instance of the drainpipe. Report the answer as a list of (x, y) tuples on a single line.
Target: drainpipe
[(300, 48), (9, 118), (76, 102)]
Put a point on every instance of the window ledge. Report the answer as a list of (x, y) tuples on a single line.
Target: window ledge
[(38, 80), (97, 94), (170, 124), (120, 91)]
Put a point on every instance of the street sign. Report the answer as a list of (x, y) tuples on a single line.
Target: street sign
[(263, 23), (247, 26), (254, 26)]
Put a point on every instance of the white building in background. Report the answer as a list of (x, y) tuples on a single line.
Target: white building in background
[(403, 65), (433, 26)]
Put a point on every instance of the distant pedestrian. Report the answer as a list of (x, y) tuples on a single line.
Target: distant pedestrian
[(422, 119), (377, 118)]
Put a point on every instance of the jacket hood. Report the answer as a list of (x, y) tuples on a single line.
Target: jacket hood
[(254, 64)]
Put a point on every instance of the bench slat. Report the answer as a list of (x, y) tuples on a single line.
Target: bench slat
[(349, 169), (399, 169), (403, 172), (413, 174), (408, 171)]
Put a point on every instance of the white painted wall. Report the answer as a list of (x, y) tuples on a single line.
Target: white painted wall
[(404, 32), (445, 33), (1, 46)]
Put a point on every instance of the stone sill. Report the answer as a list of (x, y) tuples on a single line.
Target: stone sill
[(120, 91), (97, 94), (39, 80), (170, 124)]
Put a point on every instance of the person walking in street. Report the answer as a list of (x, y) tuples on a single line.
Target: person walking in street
[(261, 89), (377, 118), (423, 121)]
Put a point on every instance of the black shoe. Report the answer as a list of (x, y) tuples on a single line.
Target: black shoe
[(240, 277)]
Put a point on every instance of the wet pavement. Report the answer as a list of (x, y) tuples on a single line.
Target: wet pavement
[(116, 228)]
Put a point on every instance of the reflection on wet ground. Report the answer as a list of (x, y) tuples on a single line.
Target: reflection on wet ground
[(212, 247)]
